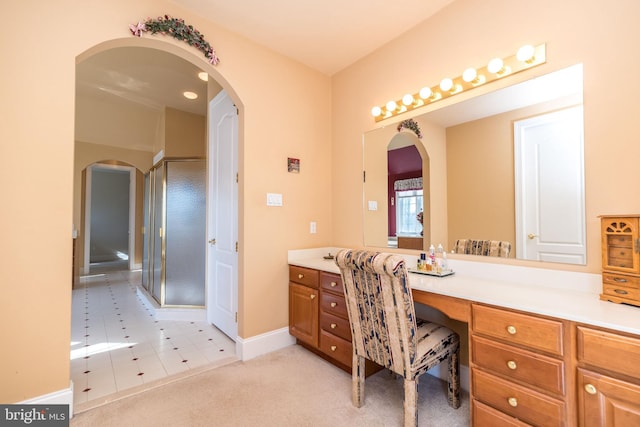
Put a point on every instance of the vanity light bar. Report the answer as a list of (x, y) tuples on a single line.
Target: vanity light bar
[(527, 57)]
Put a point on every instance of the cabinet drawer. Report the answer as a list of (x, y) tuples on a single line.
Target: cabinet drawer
[(331, 282), (334, 304), (335, 325), (484, 416), (517, 401), (336, 347), (621, 280), (609, 351), (621, 292), (527, 330), (540, 371), (605, 401), (304, 276)]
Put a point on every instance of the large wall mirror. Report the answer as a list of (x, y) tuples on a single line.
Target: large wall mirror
[(506, 166)]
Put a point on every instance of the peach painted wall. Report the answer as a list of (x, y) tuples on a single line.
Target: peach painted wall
[(41, 42), (469, 33)]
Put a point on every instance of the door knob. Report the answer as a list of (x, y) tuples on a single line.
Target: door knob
[(212, 241), (532, 236)]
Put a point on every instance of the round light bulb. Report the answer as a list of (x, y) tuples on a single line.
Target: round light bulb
[(203, 76), (495, 65), (425, 92), (391, 106), (190, 95), (525, 53), (407, 99), (376, 111), (446, 84), (469, 75)]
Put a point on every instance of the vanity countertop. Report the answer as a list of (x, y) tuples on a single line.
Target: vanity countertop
[(554, 293)]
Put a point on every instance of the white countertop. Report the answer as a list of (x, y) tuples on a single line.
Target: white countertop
[(555, 293)]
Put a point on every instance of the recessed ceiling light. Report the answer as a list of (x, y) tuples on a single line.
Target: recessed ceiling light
[(203, 76), (190, 95)]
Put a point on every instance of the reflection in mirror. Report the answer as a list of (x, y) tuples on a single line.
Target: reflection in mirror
[(481, 179)]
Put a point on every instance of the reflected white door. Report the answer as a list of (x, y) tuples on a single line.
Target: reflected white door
[(222, 216), (549, 173)]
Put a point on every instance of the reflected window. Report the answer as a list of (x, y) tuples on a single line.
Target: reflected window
[(408, 205)]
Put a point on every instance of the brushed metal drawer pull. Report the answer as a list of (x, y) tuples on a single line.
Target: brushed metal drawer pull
[(620, 291), (300, 276), (334, 348), (590, 388), (513, 401), (619, 280), (511, 329), (334, 304), (333, 326), (334, 284), (511, 364), (312, 296)]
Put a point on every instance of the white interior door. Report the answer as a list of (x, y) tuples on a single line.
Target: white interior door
[(222, 216), (550, 224)]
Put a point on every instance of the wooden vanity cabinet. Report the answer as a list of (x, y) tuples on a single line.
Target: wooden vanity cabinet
[(303, 304), (318, 316), (608, 378), (621, 259), (519, 365)]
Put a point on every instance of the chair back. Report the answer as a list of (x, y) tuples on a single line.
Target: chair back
[(495, 248), (380, 307)]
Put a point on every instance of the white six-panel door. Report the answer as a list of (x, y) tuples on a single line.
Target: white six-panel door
[(222, 216), (549, 172)]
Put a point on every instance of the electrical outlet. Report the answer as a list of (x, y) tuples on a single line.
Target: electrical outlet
[(312, 227)]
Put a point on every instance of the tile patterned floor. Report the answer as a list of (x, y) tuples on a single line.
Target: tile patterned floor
[(116, 343)]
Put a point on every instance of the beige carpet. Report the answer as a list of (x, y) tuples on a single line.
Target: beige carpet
[(289, 387)]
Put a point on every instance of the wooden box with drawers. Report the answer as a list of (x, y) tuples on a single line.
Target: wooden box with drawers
[(621, 259)]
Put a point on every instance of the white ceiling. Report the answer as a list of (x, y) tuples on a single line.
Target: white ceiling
[(327, 35)]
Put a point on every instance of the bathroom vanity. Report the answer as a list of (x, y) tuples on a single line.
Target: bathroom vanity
[(544, 349)]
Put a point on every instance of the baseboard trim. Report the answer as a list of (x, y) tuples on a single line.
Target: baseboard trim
[(258, 345), (60, 397)]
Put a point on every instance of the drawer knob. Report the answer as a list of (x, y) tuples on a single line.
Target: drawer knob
[(513, 401), (334, 304), (620, 291), (334, 348), (300, 276), (511, 364), (312, 296), (333, 326), (334, 284), (511, 329), (590, 388), (619, 280)]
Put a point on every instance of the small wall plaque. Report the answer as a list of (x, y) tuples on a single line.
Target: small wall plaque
[(293, 165)]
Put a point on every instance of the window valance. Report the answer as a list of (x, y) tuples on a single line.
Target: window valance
[(408, 184)]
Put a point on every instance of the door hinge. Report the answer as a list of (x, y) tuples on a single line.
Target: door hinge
[(236, 317), (236, 177), (364, 176), (236, 246)]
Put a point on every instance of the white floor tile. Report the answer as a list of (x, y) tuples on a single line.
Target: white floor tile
[(125, 345)]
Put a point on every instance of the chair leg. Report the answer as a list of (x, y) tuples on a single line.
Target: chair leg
[(410, 403), (357, 380), (454, 379)]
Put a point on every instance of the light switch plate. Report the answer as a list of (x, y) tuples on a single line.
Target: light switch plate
[(274, 199), (373, 205)]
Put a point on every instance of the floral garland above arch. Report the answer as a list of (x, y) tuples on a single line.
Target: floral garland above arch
[(411, 125), (177, 29)]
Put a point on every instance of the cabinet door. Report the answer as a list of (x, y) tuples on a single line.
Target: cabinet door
[(303, 313), (607, 402), (620, 244)]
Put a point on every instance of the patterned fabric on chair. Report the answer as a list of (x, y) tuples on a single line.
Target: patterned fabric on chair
[(385, 329), (483, 247)]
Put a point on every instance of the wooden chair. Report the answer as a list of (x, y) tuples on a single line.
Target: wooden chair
[(385, 329)]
